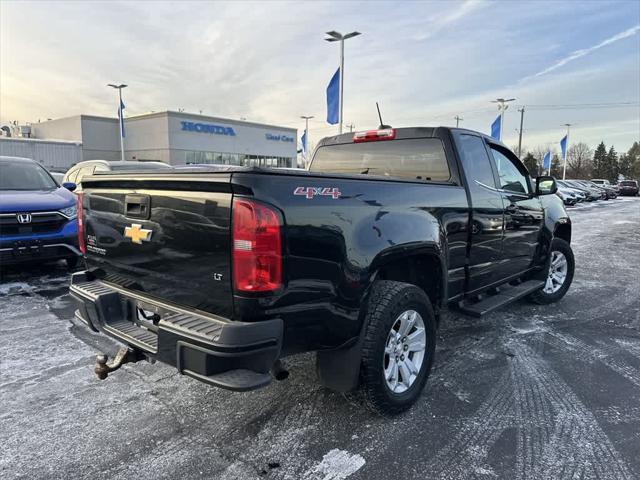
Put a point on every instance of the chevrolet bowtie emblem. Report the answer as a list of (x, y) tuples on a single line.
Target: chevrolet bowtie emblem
[(137, 234)]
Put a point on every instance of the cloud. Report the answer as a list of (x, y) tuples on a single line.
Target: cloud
[(586, 51), (445, 19)]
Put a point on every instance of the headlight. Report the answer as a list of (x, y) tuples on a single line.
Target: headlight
[(69, 211)]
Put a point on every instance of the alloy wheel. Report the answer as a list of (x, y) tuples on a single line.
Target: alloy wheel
[(557, 273), (404, 352)]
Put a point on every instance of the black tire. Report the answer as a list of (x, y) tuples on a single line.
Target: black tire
[(72, 262), (388, 300), (543, 298)]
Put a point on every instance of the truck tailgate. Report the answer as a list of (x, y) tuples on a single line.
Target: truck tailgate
[(166, 237)]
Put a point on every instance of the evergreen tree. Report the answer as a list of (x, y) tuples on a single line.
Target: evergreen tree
[(532, 164), (611, 165), (556, 166), (625, 165), (599, 161), (634, 161)]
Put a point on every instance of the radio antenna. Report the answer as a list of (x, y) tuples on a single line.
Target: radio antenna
[(382, 125)]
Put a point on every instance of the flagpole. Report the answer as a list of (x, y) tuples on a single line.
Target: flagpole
[(120, 116), (306, 138), (341, 79), (121, 125), (566, 152)]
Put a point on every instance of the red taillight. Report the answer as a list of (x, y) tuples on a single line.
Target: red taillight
[(80, 215), (374, 135), (257, 247)]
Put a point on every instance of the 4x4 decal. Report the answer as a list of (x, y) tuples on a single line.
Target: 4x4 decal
[(310, 192)]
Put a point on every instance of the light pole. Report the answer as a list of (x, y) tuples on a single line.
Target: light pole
[(520, 132), (306, 137), (566, 151), (502, 106), (338, 37), (458, 120), (121, 116)]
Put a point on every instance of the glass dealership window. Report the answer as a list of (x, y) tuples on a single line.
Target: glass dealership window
[(222, 158)]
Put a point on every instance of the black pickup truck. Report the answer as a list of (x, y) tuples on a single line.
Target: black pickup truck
[(221, 272)]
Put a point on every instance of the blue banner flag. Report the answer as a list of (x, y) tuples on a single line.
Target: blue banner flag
[(303, 140), (333, 99), (546, 161), (121, 118), (563, 147), (495, 128)]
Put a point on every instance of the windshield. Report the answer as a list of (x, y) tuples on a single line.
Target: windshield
[(628, 183), (24, 176), (416, 159)]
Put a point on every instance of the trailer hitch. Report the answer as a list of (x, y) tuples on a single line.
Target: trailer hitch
[(124, 355)]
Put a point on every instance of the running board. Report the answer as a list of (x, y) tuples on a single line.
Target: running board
[(506, 294)]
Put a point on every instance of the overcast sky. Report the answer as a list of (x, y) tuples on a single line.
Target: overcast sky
[(265, 61)]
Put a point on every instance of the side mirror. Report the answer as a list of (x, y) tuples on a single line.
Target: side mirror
[(69, 186), (546, 185)]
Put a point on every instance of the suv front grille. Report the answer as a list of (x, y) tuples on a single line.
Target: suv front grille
[(41, 222)]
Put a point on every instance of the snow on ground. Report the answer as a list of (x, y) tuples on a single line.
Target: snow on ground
[(540, 392)]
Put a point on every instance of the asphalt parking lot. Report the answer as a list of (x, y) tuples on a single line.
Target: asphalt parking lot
[(526, 392)]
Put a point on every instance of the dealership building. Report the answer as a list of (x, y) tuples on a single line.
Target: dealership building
[(175, 138)]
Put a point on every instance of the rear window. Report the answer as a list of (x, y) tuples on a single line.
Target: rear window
[(415, 159), (140, 166)]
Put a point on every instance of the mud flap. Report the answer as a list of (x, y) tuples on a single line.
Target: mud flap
[(339, 369)]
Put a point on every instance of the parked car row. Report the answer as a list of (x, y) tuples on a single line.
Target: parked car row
[(573, 192)]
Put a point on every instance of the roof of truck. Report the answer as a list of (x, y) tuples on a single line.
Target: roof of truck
[(405, 133)]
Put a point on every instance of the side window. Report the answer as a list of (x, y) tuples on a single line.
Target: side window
[(101, 167), (511, 178), (71, 176), (475, 162)]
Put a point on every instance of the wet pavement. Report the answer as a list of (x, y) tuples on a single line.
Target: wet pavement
[(526, 392)]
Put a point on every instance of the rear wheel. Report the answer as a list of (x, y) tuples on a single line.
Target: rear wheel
[(559, 275), (399, 347)]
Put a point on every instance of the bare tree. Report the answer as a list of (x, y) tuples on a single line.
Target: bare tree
[(579, 161)]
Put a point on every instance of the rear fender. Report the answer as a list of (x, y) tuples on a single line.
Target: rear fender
[(339, 369)]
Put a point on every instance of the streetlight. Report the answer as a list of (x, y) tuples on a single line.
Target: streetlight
[(338, 37), (306, 119), (121, 116), (502, 106)]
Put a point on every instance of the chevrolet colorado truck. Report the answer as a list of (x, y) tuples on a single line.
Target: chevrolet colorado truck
[(222, 272)]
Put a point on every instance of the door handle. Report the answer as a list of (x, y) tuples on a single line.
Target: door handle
[(137, 206)]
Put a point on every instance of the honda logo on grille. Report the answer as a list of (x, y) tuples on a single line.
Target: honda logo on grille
[(23, 217)]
